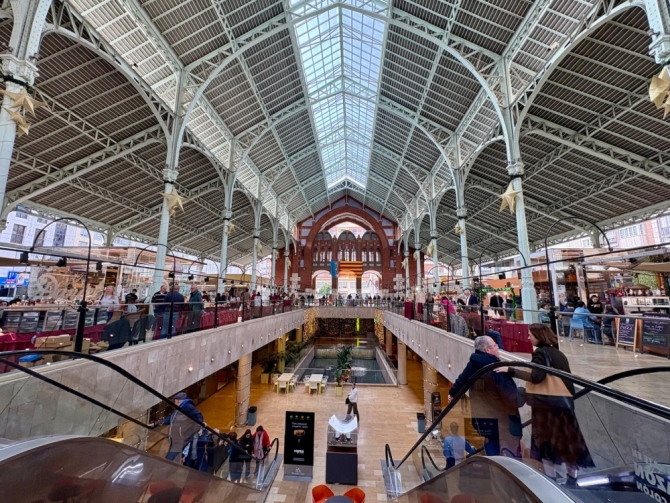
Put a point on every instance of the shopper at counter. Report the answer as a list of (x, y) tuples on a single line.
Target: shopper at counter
[(177, 299), (595, 307)]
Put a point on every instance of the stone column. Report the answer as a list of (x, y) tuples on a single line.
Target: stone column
[(274, 264), (402, 363), (298, 334), (389, 341), (429, 385), (243, 386)]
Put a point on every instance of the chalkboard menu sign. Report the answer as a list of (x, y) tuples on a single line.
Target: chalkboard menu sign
[(656, 332), (626, 333)]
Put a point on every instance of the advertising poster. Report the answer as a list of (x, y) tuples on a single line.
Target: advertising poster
[(298, 445)]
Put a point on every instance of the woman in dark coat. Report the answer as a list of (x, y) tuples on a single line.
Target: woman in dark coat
[(234, 456), (217, 453), (247, 443), (556, 437)]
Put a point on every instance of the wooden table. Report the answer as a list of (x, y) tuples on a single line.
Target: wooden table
[(286, 377), (317, 379)]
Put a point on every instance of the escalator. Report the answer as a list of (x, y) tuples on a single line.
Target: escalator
[(603, 446), (88, 431)]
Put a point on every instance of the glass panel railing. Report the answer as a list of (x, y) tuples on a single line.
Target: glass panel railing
[(602, 440), (99, 399), (113, 327), (102, 471)]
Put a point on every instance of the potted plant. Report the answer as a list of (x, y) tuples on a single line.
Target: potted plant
[(268, 363), (342, 369)]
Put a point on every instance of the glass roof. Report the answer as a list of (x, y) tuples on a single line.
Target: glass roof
[(341, 54)]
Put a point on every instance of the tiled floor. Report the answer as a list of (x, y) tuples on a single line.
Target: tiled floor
[(388, 415), (595, 362)]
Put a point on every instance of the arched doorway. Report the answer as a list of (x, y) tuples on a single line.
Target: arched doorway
[(322, 283), (371, 284)]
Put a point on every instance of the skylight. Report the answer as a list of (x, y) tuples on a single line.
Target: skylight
[(341, 53)]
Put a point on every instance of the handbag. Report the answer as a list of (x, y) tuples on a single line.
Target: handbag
[(550, 392), (347, 402)]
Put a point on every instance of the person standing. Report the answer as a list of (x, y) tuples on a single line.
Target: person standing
[(175, 300), (456, 447), (608, 323), (131, 301), (495, 396), (247, 444), (496, 303), (596, 307), (195, 307), (182, 426), (217, 453), (235, 455), (352, 402), (556, 437), (109, 300), (261, 446)]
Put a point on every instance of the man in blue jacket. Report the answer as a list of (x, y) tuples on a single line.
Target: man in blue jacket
[(493, 399), (182, 426)]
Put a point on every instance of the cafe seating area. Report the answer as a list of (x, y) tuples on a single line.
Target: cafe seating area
[(288, 382)]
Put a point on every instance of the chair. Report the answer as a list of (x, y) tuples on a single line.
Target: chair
[(576, 326), (291, 384), (306, 381), (313, 385), (324, 382), (355, 494), (282, 385), (321, 493)]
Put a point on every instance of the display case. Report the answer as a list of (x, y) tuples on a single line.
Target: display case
[(101, 316), (52, 320), (640, 304), (70, 319), (342, 450)]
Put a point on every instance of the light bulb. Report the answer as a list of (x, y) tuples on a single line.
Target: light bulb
[(190, 368)]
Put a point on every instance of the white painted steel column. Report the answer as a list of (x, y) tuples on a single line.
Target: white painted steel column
[(402, 363), (286, 257), (254, 259), (163, 232), (7, 137), (528, 295), (243, 388), (224, 250), (461, 213), (407, 287), (419, 278)]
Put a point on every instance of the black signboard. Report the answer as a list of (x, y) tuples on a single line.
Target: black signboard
[(299, 438), (626, 333), (655, 331)]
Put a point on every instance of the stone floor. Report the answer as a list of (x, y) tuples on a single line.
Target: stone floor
[(388, 415), (594, 362)]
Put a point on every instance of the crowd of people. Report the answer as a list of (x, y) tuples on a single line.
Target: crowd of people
[(194, 446)]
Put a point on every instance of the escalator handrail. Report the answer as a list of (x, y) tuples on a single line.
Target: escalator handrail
[(127, 375), (425, 450), (640, 403)]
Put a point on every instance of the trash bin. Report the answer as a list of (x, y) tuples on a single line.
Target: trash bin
[(251, 416), (420, 420)]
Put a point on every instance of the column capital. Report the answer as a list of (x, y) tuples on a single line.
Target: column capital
[(461, 213), (227, 214), (286, 253), (170, 174), (256, 233), (406, 253), (18, 69), (660, 49), (515, 168)]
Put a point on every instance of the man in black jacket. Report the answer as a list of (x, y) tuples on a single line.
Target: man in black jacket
[(493, 399)]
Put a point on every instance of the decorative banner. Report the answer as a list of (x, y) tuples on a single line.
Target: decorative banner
[(334, 268), (351, 268), (299, 445)]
